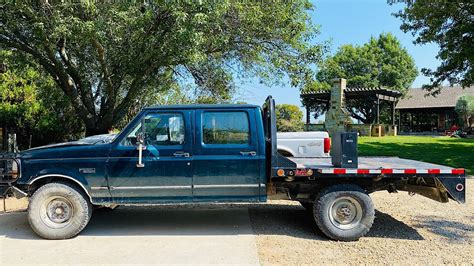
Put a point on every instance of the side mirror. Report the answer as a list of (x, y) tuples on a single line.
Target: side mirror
[(140, 139)]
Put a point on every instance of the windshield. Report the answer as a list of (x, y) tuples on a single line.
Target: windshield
[(98, 139)]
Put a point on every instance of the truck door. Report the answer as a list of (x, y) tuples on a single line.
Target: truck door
[(166, 174), (226, 155)]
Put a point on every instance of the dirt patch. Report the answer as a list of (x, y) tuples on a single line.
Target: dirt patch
[(407, 230), (13, 204)]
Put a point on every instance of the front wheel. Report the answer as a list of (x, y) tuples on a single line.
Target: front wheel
[(344, 212), (58, 211)]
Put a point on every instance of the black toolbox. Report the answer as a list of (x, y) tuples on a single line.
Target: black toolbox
[(344, 150)]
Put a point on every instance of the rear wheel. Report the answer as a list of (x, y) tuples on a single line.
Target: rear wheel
[(58, 211), (344, 212)]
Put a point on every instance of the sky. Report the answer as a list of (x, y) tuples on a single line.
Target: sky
[(348, 22)]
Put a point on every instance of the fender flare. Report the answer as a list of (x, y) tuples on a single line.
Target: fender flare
[(61, 176)]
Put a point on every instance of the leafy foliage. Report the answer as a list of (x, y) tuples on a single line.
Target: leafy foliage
[(289, 118), (30, 105), (381, 62), (465, 109), (110, 58), (450, 25)]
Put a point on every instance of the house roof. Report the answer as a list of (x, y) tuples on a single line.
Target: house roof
[(418, 98)]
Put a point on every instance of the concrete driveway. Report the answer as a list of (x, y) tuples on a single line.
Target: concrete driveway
[(138, 235)]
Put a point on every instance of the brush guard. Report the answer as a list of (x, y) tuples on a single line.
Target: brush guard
[(9, 173), (9, 170)]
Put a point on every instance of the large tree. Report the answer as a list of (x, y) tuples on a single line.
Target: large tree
[(465, 109), (109, 58), (449, 24), (289, 118), (381, 62)]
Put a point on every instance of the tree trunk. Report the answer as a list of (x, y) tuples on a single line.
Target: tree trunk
[(97, 126), (91, 131)]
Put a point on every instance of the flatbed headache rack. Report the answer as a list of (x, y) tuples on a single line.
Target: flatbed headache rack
[(376, 173)]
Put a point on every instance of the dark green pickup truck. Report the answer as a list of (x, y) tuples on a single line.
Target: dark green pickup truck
[(206, 154)]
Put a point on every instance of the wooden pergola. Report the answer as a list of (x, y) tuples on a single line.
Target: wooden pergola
[(310, 99)]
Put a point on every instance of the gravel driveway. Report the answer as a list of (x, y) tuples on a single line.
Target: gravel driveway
[(407, 230)]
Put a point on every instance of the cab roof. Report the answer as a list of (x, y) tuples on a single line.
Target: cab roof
[(201, 106)]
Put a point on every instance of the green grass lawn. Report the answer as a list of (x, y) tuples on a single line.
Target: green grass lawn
[(452, 152)]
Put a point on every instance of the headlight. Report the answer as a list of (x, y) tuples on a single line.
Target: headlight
[(14, 169)]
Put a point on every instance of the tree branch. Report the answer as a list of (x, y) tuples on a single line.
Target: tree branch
[(107, 106), (84, 91)]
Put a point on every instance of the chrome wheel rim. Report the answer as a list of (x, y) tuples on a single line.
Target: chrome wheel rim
[(345, 213), (57, 211)]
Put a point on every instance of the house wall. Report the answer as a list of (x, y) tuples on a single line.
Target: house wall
[(426, 119)]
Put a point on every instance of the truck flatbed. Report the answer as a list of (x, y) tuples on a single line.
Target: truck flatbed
[(375, 165)]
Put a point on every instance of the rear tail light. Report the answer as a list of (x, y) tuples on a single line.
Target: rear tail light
[(327, 145)]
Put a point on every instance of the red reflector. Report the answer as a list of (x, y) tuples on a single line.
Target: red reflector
[(434, 171), (387, 171), (459, 187), (339, 171), (363, 171), (301, 172), (327, 145), (457, 171), (410, 171)]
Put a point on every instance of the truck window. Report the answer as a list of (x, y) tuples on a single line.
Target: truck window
[(225, 128), (159, 129)]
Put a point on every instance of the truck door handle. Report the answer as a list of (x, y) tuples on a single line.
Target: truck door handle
[(248, 153), (181, 154)]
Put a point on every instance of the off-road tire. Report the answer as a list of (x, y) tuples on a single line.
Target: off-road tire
[(324, 207), (47, 199)]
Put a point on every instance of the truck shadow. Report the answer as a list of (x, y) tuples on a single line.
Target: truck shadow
[(201, 220), (297, 222), (452, 231)]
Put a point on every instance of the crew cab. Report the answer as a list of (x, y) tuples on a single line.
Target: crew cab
[(205, 154)]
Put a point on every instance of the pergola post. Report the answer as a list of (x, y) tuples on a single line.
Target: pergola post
[(308, 115), (378, 110), (393, 113)]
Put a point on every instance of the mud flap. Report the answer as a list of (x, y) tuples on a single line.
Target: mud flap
[(455, 186)]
